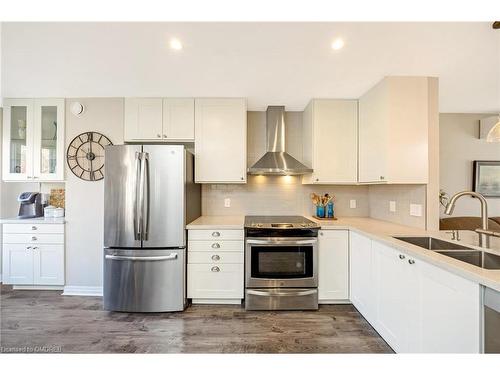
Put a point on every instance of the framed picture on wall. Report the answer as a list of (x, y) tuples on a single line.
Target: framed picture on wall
[(486, 179)]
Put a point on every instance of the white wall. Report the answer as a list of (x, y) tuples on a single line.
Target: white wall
[(85, 200), (459, 147), (269, 63)]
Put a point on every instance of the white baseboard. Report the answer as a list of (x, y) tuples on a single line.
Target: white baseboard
[(207, 301), (37, 287), (334, 302), (94, 291)]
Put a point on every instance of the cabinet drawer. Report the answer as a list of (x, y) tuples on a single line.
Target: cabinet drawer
[(33, 228), (33, 238), (218, 246), (211, 234), (215, 257), (215, 281)]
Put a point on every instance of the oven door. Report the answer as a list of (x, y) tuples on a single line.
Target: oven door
[(278, 262)]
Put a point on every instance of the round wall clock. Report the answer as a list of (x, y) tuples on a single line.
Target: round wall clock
[(85, 155)]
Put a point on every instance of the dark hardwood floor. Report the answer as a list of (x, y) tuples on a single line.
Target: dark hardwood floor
[(47, 321)]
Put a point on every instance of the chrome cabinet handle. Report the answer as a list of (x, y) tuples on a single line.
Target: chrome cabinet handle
[(215, 269), (34, 228), (28, 247), (215, 257), (411, 261), (29, 177), (35, 248), (33, 238), (35, 176), (215, 234), (215, 245), (401, 256)]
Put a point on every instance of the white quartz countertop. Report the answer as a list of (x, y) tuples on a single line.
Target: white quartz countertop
[(217, 222), (37, 220), (384, 231)]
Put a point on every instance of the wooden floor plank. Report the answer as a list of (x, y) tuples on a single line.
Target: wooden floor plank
[(79, 325)]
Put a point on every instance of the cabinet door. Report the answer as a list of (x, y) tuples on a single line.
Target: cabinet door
[(373, 134), (209, 281), (221, 142), (178, 119), (335, 141), (392, 296), (361, 275), (18, 126), (446, 311), (48, 151), (17, 264), (143, 119), (48, 264), (333, 263)]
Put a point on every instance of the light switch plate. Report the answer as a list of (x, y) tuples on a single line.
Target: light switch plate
[(415, 209), (227, 202), (392, 206), (352, 203)]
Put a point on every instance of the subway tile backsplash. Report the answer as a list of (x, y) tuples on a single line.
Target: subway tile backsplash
[(285, 195)]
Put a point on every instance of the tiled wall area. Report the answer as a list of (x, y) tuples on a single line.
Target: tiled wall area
[(285, 195)]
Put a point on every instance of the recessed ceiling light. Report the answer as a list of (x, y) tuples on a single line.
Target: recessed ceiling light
[(175, 44), (337, 44)]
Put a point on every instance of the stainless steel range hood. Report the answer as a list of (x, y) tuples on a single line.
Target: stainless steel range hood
[(276, 161)]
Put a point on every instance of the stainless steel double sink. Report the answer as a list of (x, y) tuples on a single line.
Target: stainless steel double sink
[(463, 253)]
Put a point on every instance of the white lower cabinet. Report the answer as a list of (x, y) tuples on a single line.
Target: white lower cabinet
[(215, 271), (415, 306), (33, 254), (362, 293), (333, 266)]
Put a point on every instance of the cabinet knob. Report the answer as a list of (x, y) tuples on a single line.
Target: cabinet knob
[(215, 269), (317, 179), (382, 177), (215, 245), (242, 178), (34, 228), (320, 233), (158, 135), (29, 177), (33, 238), (411, 261), (215, 234), (164, 136), (35, 176), (215, 257), (401, 256)]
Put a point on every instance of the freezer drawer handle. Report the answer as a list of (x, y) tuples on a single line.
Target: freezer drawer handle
[(123, 257)]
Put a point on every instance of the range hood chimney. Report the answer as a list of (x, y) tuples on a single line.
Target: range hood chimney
[(276, 161)]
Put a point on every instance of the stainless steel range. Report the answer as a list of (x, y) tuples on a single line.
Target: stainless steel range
[(281, 263)]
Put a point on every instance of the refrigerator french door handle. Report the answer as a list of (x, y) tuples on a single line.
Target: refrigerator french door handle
[(146, 201), (140, 207), (137, 200)]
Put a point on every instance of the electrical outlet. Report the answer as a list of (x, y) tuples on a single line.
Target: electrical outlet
[(352, 203), (392, 206), (227, 202), (415, 209)]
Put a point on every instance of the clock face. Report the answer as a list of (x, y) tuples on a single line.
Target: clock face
[(85, 155)]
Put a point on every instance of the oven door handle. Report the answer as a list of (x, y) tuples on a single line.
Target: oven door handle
[(282, 294), (282, 242)]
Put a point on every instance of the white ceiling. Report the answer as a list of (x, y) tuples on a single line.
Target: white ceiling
[(269, 63)]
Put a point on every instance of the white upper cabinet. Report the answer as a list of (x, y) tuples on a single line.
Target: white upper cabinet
[(393, 130), (330, 141), (221, 140), (157, 119), (178, 119), (143, 119), (33, 140)]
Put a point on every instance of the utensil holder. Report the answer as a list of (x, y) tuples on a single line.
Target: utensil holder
[(320, 211)]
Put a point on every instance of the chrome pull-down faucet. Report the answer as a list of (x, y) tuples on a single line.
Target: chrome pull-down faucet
[(484, 240)]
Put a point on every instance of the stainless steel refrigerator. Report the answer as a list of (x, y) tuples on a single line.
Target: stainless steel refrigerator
[(149, 197)]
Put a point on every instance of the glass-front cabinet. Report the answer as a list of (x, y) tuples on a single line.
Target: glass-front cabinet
[(33, 140)]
